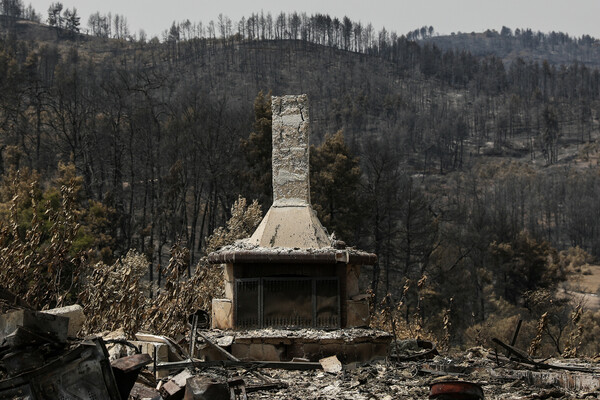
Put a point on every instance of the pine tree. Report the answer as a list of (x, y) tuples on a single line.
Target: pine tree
[(334, 186), (257, 150)]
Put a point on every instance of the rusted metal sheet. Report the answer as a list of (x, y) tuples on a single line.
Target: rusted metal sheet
[(456, 390), (83, 372), (131, 363), (126, 371)]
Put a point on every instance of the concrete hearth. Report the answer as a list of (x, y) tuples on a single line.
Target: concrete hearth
[(349, 345)]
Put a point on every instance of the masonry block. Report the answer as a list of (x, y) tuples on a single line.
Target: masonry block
[(290, 156), (162, 353), (54, 325), (264, 352), (357, 313), (229, 290), (240, 350), (352, 279), (228, 272), (75, 315), (312, 351), (381, 350), (363, 351), (222, 314)]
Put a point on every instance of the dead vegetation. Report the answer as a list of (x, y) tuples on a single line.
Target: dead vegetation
[(117, 296)]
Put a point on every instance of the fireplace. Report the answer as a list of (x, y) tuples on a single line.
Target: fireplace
[(303, 302), (290, 273)]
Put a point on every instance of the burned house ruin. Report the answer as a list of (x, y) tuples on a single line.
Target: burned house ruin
[(290, 273)]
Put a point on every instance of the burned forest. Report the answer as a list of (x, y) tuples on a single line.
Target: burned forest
[(296, 206)]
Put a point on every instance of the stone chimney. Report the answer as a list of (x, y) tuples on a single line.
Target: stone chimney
[(291, 221), (288, 274), (291, 168)]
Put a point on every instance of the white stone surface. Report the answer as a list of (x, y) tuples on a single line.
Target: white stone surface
[(75, 315), (291, 227), (331, 364), (222, 314)]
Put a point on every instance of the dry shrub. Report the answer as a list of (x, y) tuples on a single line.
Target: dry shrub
[(114, 296), (244, 220), (537, 340), (574, 341), (574, 258), (390, 315), (168, 315), (589, 326), (36, 240), (500, 327)]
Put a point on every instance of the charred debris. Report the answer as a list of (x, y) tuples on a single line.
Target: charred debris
[(41, 358)]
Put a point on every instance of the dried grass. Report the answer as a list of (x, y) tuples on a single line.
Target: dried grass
[(35, 261), (116, 296)]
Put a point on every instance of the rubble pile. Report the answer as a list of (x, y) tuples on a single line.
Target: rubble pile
[(41, 358), (388, 379)]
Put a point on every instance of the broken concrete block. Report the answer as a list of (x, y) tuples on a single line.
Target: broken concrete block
[(162, 350), (331, 364), (225, 341), (176, 353), (204, 388), (75, 315), (171, 391), (174, 389), (182, 377), (53, 325), (118, 334), (162, 353), (222, 314), (209, 353), (357, 313)]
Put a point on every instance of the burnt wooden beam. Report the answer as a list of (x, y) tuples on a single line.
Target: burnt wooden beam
[(287, 365)]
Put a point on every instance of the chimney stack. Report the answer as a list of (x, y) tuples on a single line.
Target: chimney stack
[(291, 222), (291, 150)]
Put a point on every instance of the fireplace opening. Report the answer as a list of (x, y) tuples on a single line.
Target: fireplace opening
[(290, 302)]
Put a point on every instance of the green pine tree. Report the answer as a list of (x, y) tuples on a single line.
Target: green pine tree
[(257, 150), (334, 186)]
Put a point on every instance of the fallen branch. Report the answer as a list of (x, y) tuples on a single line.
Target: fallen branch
[(525, 359)]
